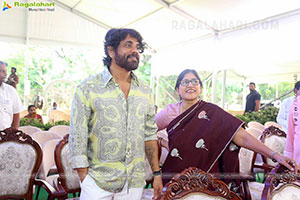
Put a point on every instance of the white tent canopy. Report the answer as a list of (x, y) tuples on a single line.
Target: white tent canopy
[(254, 38)]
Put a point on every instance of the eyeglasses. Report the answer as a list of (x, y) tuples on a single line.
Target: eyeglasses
[(186, 82), (129, 45)]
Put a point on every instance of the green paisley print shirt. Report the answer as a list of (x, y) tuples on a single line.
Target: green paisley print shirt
[(108, 131)]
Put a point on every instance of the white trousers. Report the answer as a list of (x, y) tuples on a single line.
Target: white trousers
[(91, 191)]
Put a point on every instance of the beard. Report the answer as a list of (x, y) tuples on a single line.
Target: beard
[(123, 61), (2, 79)]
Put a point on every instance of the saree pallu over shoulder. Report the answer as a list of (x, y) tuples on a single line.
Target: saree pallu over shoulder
[(200, 137)]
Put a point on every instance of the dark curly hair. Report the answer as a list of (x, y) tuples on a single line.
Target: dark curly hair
[(115, 36)]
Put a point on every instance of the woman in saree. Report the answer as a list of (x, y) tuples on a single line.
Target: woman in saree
[(202, 135)]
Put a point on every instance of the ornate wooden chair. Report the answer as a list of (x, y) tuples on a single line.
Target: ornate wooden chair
[(275, 139), (281, 184), (252, 190), (20, 159), (194, 183), (68, 179)]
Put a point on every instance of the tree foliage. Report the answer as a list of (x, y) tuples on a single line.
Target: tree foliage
[(47, 64)]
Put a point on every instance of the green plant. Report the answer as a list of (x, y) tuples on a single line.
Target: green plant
[(264, 115), (62, 122), (37, 123), (31, 122)]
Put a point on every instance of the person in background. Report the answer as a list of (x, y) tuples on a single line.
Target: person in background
[(284, 110), (39, 101), (10, 103), (292, 148), (252, 99), (54, 106), (13, 78), (203, 135), (113, 125), (32, 114)]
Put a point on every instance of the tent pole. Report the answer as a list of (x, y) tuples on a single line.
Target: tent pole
[(244, 93), (223, 89), (214, 87), (157, 90), (26, 82)]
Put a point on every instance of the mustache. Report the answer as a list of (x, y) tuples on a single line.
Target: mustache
[(133, 55)]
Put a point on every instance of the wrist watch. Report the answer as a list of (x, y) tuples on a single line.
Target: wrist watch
[(157, 173)]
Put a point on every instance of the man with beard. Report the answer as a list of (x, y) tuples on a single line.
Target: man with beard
[(10, 103), (252, 99), (113, 125)]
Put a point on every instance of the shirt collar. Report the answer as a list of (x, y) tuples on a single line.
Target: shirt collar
[(107, 77), (2, 86)]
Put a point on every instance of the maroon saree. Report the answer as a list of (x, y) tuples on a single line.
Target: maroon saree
[(201, 137)]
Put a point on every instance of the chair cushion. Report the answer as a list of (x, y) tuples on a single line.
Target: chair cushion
[(287, 191), (256, 190), (276, 144), (72, 178), (201, 196), (245, 159), (16, 165)]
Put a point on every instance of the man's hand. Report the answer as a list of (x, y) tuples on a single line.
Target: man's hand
[(157, 186)]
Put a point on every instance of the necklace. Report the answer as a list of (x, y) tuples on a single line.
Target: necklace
[(181, 109)]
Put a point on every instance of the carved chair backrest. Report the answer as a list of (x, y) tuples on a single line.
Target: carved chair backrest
[(275, 139), (20, 159), (68, 177), (194, 183), (281, 184)]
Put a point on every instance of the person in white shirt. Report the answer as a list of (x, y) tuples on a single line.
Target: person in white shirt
[(10, 103), (284, 110)]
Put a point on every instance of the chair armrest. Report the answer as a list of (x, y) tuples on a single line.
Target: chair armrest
[(267, 168), (246, 177), (53, 193)]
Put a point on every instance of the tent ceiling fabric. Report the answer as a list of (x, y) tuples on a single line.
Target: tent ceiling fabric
[(182, 33)]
